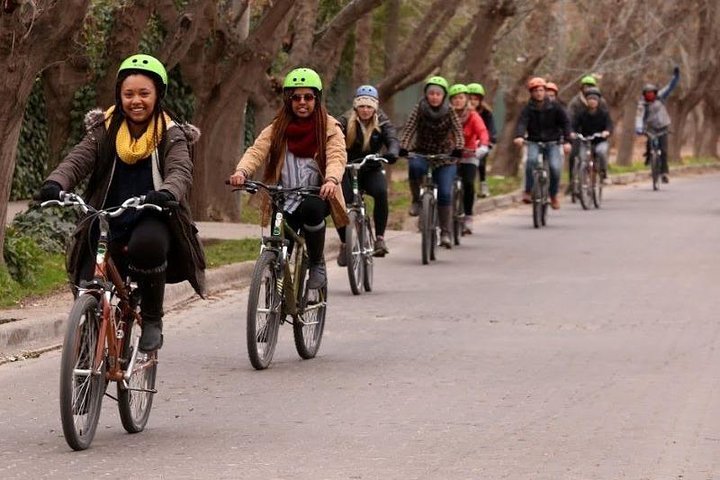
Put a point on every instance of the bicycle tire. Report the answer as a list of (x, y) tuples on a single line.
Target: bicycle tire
[(262, 337), (655, 170), (537, 200), (585, 186), (574, 185), (458, 212), (368, 250), (596, 183), (309, 325), (134, 406), (433, 229), (354, 254), (426, 227), (81, 398)]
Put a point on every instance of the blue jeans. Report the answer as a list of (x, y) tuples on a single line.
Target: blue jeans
[(443, 177), (554, 157)]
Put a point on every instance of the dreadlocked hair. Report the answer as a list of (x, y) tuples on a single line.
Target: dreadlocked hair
[(280, 123)]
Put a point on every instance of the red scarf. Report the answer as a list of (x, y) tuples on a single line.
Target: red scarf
[(301, 137)]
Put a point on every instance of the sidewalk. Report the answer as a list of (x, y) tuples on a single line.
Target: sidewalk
[(41, 324)]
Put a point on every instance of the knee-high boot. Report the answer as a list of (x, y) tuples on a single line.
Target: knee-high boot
[(445, 217), (151, 283), (315, 240)]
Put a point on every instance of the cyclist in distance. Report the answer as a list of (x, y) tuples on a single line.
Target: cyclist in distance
[(136, 147), (476, 94), (543, 121), (652, 117), (476, 142), (368, 130), (595, 120), (578, 104), (303, 146), (433, 128)]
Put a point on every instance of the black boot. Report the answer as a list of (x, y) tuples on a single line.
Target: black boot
[(415, 194), (315, 240), (152, 291)]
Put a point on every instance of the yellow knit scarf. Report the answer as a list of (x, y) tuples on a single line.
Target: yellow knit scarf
[(131, 150)]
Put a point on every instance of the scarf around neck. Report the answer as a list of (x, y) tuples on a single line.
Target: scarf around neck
[(434, 114), (130, 149), (301, 138)]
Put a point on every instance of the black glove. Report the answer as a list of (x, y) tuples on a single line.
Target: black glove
[(457, 153), (159, 197), (50, 190), (403, 153), (676, 70), (390, 157)]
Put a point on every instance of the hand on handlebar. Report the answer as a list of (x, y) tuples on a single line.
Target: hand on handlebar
[(566, 148), (237, 179), (161, 198), (328, 189), (605, 134), (519, 141), (50, 190)]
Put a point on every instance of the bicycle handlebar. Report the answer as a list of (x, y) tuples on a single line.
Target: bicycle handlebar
[(74, 200), (252, 186), (592, 137), (373, 157), (434, 156)]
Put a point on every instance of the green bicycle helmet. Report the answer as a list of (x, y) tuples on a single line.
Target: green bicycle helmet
[(145, 63), (588, 80), (303, 77), (457, 89), (437, 80), (476, 89)]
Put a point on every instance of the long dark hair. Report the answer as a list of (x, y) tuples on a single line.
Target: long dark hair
[(280, 123)]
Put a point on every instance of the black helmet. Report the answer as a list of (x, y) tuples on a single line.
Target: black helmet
[(650, 87), (593, 91)]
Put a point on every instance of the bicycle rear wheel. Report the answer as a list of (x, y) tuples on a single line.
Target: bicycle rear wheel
[(354, 254), (263, 311), (596, 183), (655, 169), (368, 248), (81, 388), (135, 402), (458, 211), (427, 225), (309, 325), (585, 187)]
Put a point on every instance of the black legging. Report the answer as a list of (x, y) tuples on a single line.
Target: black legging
[(663, 144), (310, 217), (466, 171), (142, 253), (373, 183), (482, 169)]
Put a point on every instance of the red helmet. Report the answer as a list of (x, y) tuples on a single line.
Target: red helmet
[(536, 82), (551, 86)]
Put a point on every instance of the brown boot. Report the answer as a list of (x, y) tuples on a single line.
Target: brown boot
[(555, 202)]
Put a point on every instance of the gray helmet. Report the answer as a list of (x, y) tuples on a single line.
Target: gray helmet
[(593, 91), (649, 87)]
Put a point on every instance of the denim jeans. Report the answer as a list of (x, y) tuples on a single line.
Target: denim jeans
[(443, 177), (554, 157)]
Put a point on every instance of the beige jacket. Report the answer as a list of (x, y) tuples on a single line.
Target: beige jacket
[(257, 155)]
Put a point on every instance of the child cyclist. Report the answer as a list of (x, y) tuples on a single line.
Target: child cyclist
[(476, 95), (434, 128), (476, 136), (303, 146), (367, 131)]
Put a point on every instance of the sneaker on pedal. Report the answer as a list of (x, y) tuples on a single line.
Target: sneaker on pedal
[(665, 179), (484, 190), (151, 338), (526, 197), (445, 240), (380, 248), (555, 202), (415, 209), (467, 225), (318, 276), (342, 255)]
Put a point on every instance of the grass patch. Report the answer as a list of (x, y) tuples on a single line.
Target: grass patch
[(225, 252), (50, 278)]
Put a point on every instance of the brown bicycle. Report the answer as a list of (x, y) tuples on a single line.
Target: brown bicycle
[(101, 341)]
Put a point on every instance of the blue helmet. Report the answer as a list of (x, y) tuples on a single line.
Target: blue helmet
[(366, 91)]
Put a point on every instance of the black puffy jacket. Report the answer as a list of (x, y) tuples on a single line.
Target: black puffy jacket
[(543, 122), (386, 137)]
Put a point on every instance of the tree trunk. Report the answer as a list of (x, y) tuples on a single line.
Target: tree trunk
[(363, 43), (627, 135), (711, 128), (490, 18), (391, 49), (24, 53)]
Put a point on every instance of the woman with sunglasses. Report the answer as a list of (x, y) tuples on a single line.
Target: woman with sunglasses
[(303, 146)]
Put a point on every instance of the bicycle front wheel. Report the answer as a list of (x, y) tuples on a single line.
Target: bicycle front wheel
[(585, 187), (263, 311), (354, 252), (81, 385), (427, 225), (368, 248), (596, 183), (135, 401), (537, 202), (309, 325), (655, 170), (458, 212)]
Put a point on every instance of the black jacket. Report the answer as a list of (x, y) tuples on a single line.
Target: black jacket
[(543, 122), (386, 137), (487, 117), (588, 123)]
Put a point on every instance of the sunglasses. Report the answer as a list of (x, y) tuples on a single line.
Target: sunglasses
[(308, 97)]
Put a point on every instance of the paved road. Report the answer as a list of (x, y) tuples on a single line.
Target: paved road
[(587, 350)]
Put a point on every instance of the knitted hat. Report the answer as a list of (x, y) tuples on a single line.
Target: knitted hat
[(366, 101)]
